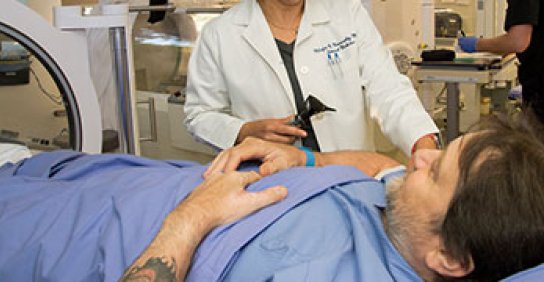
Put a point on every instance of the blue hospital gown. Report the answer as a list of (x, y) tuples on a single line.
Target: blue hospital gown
[(67, 216), (335, 236)]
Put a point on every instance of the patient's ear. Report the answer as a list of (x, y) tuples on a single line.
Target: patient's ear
[(442, 263)]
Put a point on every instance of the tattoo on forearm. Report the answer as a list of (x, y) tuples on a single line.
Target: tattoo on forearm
[(155, 269)]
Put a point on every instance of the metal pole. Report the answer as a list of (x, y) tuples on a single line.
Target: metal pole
[(124, 97), (452, 111), (159, 8)]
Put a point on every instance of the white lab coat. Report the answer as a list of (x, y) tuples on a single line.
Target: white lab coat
[(236, 75)]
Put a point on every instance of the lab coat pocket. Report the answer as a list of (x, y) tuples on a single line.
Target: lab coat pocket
[(341, 71)]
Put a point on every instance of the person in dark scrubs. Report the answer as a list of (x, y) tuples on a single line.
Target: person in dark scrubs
[(525, 36)]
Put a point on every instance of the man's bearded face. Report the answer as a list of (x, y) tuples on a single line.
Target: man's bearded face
[(407, 223)]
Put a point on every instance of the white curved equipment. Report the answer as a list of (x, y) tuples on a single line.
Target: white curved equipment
[(65, 55)]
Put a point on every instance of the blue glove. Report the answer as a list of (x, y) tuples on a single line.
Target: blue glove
[(468, 44)]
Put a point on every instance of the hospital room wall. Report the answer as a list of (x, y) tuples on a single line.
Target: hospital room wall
[(44, 7)]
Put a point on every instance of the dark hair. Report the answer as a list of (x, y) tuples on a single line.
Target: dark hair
[(496, 215)]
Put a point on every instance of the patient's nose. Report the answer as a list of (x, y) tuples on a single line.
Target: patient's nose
[(424, 158)]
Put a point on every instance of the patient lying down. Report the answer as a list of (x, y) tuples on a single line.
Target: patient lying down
[(472, 211)]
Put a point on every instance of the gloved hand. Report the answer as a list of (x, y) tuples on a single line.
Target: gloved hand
[(468, 44)]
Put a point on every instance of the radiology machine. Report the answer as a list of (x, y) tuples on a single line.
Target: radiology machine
[(49, 98), (70, 86), (45, 90)]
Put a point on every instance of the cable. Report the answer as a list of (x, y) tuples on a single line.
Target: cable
[(52, 97), (439, 98)]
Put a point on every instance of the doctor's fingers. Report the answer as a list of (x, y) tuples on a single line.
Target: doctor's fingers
[(216, 166), (272, 166), (280, 158), (229, 160), (287, 119), (243, 178), (289, 130), (279, 138)]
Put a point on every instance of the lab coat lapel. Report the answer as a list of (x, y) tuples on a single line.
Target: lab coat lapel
[(259, 36), (314, 14)]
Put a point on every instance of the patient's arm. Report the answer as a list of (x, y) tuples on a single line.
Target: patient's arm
[(368, 162), (276, 157), (219, 200)]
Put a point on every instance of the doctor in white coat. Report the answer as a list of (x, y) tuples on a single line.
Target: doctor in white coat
[(239, 84)]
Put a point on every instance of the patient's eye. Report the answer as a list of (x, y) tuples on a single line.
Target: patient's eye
[(435, 168)]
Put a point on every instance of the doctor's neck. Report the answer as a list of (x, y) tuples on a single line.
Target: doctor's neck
[(283, 13)]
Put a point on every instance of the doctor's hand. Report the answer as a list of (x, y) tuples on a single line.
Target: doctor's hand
[(274, 157), (428, 141), (275, 130), (468, 44)]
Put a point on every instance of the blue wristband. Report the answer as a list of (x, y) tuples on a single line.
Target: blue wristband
[(310, 158)]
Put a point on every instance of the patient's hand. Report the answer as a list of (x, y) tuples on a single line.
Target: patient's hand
[(275, 157), (220, 199)]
